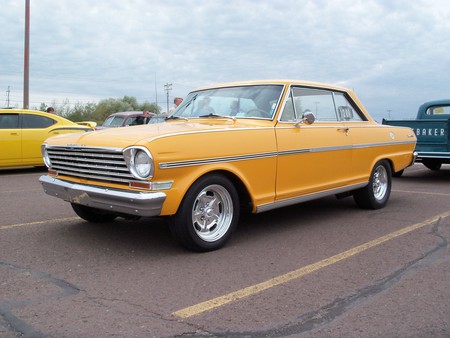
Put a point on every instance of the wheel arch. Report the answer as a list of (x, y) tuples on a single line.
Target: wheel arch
[(245, 198)]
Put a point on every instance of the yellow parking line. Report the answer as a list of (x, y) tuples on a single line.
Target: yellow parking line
[(3, 227), (257, 288), (422, 192)]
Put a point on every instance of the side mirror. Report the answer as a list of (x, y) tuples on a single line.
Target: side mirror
[(307, 118)]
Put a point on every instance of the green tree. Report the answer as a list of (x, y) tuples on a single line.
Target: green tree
[(151, 107), (82, 112), (98, 112), (109, 106)]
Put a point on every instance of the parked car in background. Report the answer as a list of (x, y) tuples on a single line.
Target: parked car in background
[(432, 127), (245, 146), (158, 118), (22, 133), (122, 119)]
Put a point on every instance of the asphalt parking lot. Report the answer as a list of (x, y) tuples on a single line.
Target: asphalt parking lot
[(320, 269)]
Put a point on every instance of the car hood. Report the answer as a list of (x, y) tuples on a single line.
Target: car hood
[(139, 135)]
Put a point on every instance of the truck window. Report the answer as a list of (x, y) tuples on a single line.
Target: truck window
[(438, 110)]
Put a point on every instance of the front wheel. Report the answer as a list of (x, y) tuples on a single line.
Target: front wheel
[(93, 215), (376, 194), (207, 215)]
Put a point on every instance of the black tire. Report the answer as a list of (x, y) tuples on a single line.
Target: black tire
[(398, 173), (93, 215), (432, 164), (376, 194), (208, 214)]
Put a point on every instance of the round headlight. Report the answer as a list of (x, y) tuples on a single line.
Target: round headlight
[(45, 156), (139, 161), (142, 164)]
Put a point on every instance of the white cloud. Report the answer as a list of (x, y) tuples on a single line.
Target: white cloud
[(392, 53)]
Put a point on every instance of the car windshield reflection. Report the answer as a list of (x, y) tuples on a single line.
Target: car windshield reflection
[(258, 101)]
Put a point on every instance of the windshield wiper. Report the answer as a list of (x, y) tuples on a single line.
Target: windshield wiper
[(175, 118), (217, 116)]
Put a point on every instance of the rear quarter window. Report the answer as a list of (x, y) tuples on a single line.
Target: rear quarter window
[(36, 121)]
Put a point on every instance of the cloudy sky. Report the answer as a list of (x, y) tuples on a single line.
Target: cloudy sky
[(393, 53)]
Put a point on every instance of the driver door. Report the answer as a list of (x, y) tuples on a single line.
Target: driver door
[(312, 157)]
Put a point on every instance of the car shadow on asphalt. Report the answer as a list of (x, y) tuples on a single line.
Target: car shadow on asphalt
[(420, 173)]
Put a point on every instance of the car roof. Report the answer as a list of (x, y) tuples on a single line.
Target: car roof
[(276, 82), (128, 113), (56, 117)]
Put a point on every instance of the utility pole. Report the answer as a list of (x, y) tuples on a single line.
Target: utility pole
[(167, 88), (156, 93), (26, 63), (7, 97)]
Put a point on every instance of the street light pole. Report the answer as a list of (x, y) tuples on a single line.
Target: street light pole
[(167, 88), (26, 63)]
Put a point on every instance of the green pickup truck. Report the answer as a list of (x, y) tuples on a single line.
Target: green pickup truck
[(431, 127)]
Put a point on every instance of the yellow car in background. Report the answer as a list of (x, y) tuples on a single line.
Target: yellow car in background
[(227, 148), (23, 131)]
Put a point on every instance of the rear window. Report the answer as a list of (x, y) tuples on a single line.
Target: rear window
[(438, 110)]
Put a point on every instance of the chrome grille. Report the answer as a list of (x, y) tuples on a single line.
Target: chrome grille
[(90, 163)]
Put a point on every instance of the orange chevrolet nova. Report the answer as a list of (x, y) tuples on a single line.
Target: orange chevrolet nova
[(254, 146)]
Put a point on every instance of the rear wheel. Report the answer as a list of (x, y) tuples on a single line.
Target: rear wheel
[(93, 215), (432, 164), (376, 194), (207, 215)]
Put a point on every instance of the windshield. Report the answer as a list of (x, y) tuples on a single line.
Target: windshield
[(113, 121), (258, 101)]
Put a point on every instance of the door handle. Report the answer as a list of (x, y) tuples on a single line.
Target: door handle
[(345, 129)]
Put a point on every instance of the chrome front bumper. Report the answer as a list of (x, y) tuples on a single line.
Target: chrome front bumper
[(120, 201)]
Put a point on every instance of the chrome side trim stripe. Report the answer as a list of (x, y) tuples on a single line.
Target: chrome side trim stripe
[(168, 165), (308, 197), (381, 144)]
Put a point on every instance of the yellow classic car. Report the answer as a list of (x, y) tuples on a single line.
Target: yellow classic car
[(228, 148), (22, 133)]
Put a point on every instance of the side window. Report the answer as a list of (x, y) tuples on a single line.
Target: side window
[(36, 121), (131, 121), (288, 111), (9, 121), (319, 102), (345, 110)]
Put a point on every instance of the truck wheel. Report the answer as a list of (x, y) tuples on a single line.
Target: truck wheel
[(376, 194), (432, 164), (93, 215), (207, 215)]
